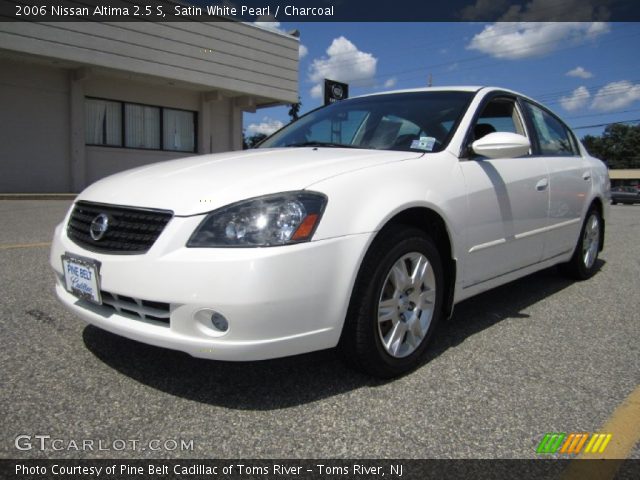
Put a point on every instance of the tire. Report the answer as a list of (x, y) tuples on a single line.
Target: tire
[(583, 263), (392, 316)]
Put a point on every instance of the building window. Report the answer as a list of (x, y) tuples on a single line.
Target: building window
[(141, 126), (179, 130), (132, 125), (103, 122)]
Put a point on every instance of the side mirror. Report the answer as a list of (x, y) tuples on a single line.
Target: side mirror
[(501, 145)]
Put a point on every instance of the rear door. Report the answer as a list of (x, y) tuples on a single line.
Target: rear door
[(569, 179)]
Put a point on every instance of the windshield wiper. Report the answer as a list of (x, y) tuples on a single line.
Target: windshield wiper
[(321, 144)]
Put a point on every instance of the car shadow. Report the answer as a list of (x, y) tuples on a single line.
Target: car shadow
[(287, 382), (508, 301)]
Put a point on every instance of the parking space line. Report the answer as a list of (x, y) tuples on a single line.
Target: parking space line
[(623, 429), (25, 245)]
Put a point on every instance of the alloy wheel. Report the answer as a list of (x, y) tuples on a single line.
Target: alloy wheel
[(406, 304)]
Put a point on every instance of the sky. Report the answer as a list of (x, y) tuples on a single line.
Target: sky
[(588, 73)]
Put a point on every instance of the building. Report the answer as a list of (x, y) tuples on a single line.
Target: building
[(82, 100), (625, 177)]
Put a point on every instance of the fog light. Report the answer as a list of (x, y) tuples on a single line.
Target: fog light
[(211, 323), (219, 322)]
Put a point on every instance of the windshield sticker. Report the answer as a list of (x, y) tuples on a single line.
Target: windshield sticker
[(425, 143)]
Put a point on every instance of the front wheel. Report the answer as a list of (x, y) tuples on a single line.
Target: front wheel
[(395, 305), (583, 262)]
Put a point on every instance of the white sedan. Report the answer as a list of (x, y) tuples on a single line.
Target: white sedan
[(359, 226)]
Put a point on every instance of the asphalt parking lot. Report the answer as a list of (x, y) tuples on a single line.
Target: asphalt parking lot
[(543, 354)]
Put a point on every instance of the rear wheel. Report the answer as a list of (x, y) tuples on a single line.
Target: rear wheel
[(396, 303), (583, 263)]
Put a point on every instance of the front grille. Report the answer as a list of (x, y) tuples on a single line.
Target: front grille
[(130, 230), (136, 308)]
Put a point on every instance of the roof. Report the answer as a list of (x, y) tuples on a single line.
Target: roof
[(459, 88), (451, 88)]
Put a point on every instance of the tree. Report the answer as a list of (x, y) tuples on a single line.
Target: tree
[(618, 146), (253, 140), (294, 110)]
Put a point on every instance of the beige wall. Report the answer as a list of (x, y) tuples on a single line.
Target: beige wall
[(103, 161), (219, 123), (227, 56), (34, 128), (218, 70), (42, 147)]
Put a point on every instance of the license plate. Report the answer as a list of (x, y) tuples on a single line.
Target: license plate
[(81, 277)]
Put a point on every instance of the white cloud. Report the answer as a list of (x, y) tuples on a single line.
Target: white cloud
[(596, 29), (302, 51), (267, 126), (579, 72), (616, 95), (578, 99), (343, 63), (317, 91), (518, 40), (391, 82), (264, 22)]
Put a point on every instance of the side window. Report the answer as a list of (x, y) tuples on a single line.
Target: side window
[(554, 137), (499, 115)]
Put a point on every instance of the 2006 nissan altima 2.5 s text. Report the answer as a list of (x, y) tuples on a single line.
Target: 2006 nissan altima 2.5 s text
[(359, 226)]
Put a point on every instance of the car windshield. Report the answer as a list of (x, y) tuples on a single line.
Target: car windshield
[(413, 121)]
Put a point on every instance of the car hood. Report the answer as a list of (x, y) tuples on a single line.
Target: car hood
[(200, 184)]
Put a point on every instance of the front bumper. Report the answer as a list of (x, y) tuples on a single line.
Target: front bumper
[(279, 301)]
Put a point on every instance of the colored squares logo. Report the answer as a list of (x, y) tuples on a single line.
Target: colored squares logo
[(598, 443), (573, 443), (551, 442)]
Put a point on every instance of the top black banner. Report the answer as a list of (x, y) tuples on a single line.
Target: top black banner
[(320, 10)]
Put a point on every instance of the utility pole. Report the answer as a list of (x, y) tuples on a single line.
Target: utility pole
[(430, 81)]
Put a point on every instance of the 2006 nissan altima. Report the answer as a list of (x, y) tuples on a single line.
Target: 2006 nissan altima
[(359, 226)]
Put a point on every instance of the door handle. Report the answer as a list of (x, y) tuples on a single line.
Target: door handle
[(542, 185), (586, 176)]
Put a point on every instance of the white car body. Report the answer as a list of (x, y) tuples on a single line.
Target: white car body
[(504, 218)]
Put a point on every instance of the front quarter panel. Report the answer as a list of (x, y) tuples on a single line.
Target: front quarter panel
[(365, 200)]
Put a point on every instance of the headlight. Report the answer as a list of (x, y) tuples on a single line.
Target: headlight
[(279, 219)]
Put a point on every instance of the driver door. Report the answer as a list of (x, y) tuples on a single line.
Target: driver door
[(507, 201)]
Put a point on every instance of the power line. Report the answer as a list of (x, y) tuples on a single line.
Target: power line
[(606, 124), (491, 61), (602, 114), (615, 91), (515, 27), (429, 43), (485, 56)]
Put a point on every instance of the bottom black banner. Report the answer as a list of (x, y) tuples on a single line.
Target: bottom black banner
[(329, 469)]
